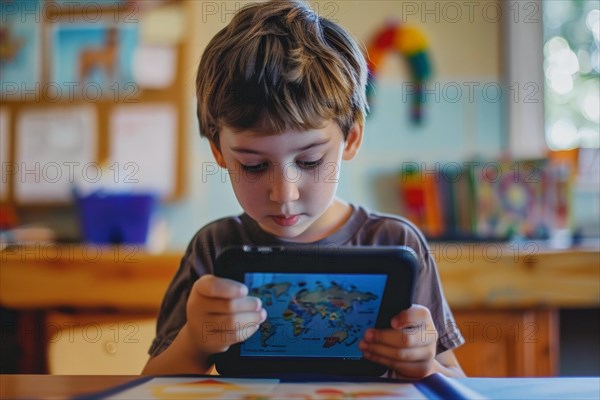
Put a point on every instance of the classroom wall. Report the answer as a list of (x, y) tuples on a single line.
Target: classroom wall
[(465, 51)]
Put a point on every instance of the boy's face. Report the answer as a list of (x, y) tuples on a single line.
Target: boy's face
[(287, 182)]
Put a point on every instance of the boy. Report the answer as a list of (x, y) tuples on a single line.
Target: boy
[(281, 98)]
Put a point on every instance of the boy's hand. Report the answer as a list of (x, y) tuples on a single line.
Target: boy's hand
[(220, 313), (408, 348)]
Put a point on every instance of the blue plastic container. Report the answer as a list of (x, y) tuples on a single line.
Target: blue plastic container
[(116, 218)]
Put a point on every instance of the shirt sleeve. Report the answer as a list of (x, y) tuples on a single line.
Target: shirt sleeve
[(198, 260), (429, 293), (172, 313)]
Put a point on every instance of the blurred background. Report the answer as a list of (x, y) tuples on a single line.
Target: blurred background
[(483, 130)]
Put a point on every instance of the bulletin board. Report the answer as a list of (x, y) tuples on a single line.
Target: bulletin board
[(94, 94)]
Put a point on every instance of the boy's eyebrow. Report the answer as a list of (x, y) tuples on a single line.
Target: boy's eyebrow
[(252, 151)]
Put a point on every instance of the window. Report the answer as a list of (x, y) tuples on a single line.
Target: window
[(571, 73)]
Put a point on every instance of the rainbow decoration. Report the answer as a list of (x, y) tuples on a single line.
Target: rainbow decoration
[(411, 43)]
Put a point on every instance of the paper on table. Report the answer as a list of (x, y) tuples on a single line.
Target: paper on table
[(199, 388), (347, 390), (54, 148), (265, 389), (143, 145)]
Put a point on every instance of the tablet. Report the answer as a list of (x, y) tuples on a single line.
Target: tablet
[(319, 303)]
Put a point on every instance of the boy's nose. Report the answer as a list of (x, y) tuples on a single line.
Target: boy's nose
[(283, 189)]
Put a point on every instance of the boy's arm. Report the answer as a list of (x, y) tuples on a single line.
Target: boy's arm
[(213, 302), (181, 357), (447, 364)]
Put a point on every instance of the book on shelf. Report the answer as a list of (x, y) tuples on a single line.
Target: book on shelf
[(484, 200)]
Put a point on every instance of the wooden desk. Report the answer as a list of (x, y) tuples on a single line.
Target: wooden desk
[(505, 298), (65, 386), (89, 276), (474, 276), (56, 386), (497, 276)]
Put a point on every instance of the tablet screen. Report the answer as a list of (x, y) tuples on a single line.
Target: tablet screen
[(313, 315)]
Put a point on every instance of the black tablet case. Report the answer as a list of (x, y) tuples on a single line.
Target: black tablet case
[(398, 262)]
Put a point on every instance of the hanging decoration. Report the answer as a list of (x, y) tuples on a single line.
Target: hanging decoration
[(411, 44)]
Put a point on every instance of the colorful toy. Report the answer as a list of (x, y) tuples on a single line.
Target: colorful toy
[(411, 43)]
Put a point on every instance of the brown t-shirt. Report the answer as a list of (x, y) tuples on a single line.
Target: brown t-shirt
[(364, 228)]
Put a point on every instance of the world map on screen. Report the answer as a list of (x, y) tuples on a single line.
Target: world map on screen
[(313, 315)]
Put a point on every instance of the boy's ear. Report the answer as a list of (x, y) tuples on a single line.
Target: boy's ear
[(217, 154), (353, 141)]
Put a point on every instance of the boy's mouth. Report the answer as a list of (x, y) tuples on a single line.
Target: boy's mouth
[(285, 220)]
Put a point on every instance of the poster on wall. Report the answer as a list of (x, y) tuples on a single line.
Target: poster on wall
[(97, 57), (143, 148), (509, 199), (55, 149), (19, 48)]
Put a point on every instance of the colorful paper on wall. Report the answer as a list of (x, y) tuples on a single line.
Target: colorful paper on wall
[(409, 42), (509, 199)]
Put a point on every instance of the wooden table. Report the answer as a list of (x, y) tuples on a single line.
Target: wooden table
[(66, 386), (489, 275), (505, 297), (56, 386)]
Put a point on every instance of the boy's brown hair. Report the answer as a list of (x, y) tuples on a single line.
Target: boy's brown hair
[(278, 66)]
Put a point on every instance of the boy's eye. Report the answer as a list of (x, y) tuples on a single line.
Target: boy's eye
[(255, 168), (310, 164)]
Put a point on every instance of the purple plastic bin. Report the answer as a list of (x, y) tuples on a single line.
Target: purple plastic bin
[(116, 218)]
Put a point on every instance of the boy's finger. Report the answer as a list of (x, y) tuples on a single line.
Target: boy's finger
[(211, 286), (243, 322), (231, 306), (414, 315), (415, 336)]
